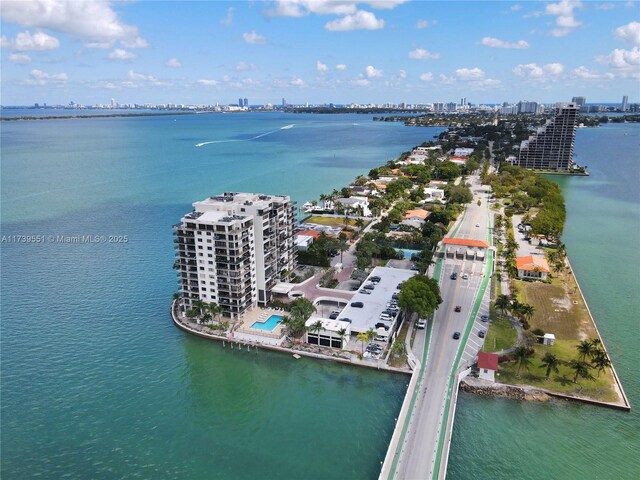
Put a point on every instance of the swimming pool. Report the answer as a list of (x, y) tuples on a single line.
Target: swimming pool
[(269, 324), (406, 253)]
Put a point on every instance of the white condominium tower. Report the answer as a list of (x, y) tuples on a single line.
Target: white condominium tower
[(551, 147), (233, 248)]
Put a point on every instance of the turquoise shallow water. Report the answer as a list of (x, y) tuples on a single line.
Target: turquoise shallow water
[(97, 383), (505, 439)]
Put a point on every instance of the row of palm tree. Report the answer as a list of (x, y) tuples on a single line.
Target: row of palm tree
[(204, 312), (317, 326), (587, 349), (366, 337), (523, 311)]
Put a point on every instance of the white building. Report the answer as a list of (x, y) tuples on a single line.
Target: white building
[(463, 152), (233, 248), (487, 366), (334, 333), (356, 203), (434, 195)]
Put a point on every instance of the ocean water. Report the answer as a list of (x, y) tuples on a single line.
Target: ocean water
[(96, 381), (502, 439)]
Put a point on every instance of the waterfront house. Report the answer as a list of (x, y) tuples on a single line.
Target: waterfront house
[(329, 334), (487, 366), (433, 195), (356, 203), (532, 267), (463, 152)]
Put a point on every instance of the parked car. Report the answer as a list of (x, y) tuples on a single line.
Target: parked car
[(345, 319), (465, 276), (484, 318), (457, 309), (365, 291), (334, 315), (370, 286), (456, 335), (481, 333), (454, 276), (357, 304), (395, 295), (399, 286), (375, 279), (422, 323), (380, 324), (386, 317)]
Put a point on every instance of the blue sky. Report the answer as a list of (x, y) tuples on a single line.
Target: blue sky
[(318, 51)]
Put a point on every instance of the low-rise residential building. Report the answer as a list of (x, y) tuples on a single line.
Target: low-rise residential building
[(532, 267), (303, 242), (458, 160), (333, 333), (487, 366), (463, 152), (417, 214), (357, 205), (433, 195)]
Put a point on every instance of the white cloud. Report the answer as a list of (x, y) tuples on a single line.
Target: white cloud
[(38, 77), (19, 58), (4, 42), (252, 37), (207, 83), (485, 83), (422, 54), (605, 6), (173, 63), (360, 20), (321, 67), (341, 66), (361, 82), (622, 59), (87, 19), (533, 71), (629, 33), (421, 24), (372, 72), (446, 80), (565, 19), (228, 19), (584, 73), (301, 8), (426, 77), (297, 82), (137, 76), (516, 7), (243, 66), (469, 74), (496, 43), (137, 42), (119, 54), (402, 74), (38, 41), (98, 44)]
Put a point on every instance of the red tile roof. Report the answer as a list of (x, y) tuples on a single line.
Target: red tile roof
[(417, 213), (531, 263), (465, 242), (310, 233), (487, 361)]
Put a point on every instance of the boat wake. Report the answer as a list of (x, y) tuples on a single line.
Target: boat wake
[(286, 127)]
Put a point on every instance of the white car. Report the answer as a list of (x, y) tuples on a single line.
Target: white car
[(465, 276), (422, 323)]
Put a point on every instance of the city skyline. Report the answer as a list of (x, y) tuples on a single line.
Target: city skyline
[(319, 51)]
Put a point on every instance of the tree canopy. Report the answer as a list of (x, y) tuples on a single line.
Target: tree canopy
[(421, 295)]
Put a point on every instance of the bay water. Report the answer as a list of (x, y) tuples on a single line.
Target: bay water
[(97, 383)]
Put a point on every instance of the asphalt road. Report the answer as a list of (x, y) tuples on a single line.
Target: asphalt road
[(420, 449)]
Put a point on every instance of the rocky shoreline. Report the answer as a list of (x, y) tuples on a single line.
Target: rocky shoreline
[(484, 388)]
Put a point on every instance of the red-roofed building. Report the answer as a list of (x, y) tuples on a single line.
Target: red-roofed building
[(465, 248), (465, 242), (417, 214), (532, 267), (310, 233), (487, 366)]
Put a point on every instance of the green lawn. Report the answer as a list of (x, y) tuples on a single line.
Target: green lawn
[(500, 335), (562, 382), (329, 221)]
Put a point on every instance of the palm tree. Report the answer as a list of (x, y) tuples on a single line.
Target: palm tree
[(503, 303), (600, 361), (521, 355), (215, 310), (343, 246), (342, 333), (362, 338), (371, 335), (200, 307), (585, 349), (527, 310), (316, 327), (581, 369), (359, 222), (550, 362)]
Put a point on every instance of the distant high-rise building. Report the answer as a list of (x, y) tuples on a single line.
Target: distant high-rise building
[(579, 101), (525, 106), (240, 102), (113, 103), (551, 147), (245, 102), (284, 102), (452, 106), (232, 249), (625, 102), (463, 101)]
